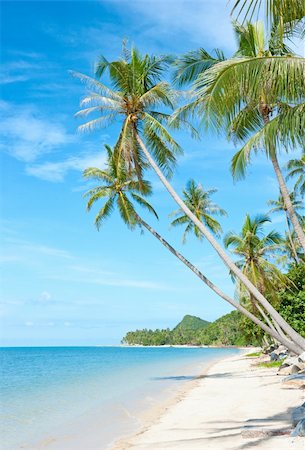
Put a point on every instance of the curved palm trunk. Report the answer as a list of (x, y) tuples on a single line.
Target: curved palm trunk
[(287, 200), (226, 259), (270, 330)]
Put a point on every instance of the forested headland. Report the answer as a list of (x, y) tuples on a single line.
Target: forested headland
[(232, 328)]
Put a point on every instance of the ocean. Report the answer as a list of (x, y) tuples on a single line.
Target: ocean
[(76, 398)]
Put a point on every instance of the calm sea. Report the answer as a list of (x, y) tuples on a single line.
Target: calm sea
[(72, 398)]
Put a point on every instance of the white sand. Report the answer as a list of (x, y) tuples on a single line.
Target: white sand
[(235, 406)]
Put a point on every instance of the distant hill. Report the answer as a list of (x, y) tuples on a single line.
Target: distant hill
[(191, 323), (192, 330)]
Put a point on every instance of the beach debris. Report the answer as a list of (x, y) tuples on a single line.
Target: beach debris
[(299, 429)]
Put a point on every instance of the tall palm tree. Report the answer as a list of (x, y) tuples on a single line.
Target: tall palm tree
[(279, 206), (255, 249), (118, 187), (296, 168), (258, 98), (144, 138), (199, 202)]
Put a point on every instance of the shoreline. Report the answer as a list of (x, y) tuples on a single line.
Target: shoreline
[(151, 416), (227, 389)]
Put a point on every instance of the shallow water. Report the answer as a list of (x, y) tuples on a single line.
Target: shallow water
[(66, 398)]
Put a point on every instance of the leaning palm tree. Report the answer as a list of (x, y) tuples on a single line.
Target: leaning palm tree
[(255, 249), (279, 206), (199, 202), (137, 90), (257, 98), (119, 188), (296, 168)]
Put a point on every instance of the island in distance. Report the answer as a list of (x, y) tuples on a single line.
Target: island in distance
[(230, 329)]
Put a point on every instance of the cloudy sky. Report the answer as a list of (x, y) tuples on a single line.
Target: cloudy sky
[(64, 283)]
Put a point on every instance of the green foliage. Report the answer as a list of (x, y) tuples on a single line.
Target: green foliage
[(199, 202), (256, 248), (253, 355), (194, 331), (292, 299), (116, 185), (271, 364), (191, 323), (296, 169), (227, 330)]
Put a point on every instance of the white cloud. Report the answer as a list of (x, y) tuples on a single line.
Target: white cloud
[(193, 20), (26, 135), (56, 171), (81, 274), (8, 79), (30, 247)]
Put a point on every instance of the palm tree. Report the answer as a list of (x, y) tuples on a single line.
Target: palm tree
[(279, 206), (120, 188), (137, 90), (199, 202), (258, 98), (296, 168), (291, 250), (255, 248)]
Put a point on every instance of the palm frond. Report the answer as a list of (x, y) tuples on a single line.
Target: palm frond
[(189, 66), (104, 212), (96, 85), (145, 204)]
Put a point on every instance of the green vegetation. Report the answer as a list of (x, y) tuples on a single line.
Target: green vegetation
[(186, 332), (253, 355), (256, 97), (226, 330), (292, 299), (271, 364)]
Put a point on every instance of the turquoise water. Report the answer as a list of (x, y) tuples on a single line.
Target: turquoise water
[(69, 398)]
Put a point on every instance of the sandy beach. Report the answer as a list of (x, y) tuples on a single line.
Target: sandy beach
[(234, 405)]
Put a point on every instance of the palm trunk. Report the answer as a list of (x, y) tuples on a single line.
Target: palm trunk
[(287, 201), (273, 325), (270, 330), (294, 251), (299, 340)]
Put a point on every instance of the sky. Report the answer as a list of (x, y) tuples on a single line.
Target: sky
[(62, 281)]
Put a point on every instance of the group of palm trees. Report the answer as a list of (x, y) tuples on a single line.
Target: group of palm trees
[(257, 97)]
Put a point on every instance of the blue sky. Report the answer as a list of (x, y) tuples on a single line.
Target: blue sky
[(64, 283)]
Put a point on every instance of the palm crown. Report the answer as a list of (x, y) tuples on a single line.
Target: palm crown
[(118, 185), (137, 90), (278, 205), (199, 202), (239, 94), (255, 248)]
